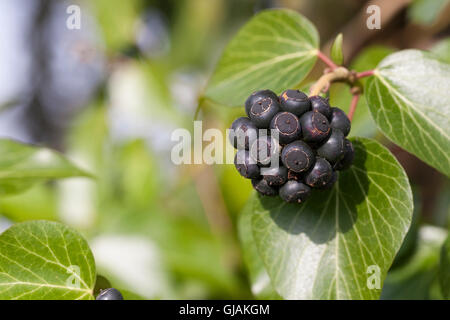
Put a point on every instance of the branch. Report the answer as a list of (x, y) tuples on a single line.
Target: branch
[(339, 74), (353, 105)]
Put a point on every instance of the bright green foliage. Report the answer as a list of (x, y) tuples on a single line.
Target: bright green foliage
[(410, 102), (323, 249), (45, 260), (22, 165), (275, 50), (444, 269)]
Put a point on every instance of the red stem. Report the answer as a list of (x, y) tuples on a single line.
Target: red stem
[(327, 61), (363, 74), (353, 106)]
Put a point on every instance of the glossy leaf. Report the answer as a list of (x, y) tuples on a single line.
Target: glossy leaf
[(410, 102), (23, 165), (45, 260), (326, 247), (275, 50)]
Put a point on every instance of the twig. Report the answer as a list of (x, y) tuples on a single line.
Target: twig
[(338, 74), (363, 74), (326, 60), (353, 105)]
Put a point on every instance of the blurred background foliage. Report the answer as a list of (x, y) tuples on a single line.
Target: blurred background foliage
[(109, 96)]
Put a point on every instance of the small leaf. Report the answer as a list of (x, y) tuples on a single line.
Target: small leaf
[(23, 165), (331, 246), (275, 50), (337, 54), (444, 269), (410, 102), (45, 260)]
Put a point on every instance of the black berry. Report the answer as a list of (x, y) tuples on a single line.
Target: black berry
[(276, 176), (321, 105), (243, 132), (109, 294), (263, 149), (245, 165), (264, 188), (287, 125), (297, 156), (256, 96), (331, 182), (263, 110), (293, 191), (339, 120), (315, 127), (347, 159), (294, 101), (333, 148), (320, 174)]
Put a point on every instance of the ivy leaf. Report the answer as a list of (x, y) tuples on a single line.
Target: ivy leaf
[(341, 240), (275, 50), (23, 165), (337, 55), (260, 281), (45, 260), (409, 99), (444, 269)]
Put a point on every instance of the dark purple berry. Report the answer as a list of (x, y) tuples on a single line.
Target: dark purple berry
[(297, 156), (339, 120), (256, 96), (245, 165), (292, 175), (331, 182), (275, 176), (263, 110), (315, 127), (264, 149), (264, 188), (320, 174), (347, 159), (293, 191), (294, 101), (109, 294), (287, 126), (321, 105), (242, 133), (333, 148)]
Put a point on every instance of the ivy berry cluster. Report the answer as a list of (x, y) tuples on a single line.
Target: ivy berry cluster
[(311, 143)]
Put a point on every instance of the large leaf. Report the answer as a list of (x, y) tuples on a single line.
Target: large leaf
[(444, 269), (45, 260), (275, 50), (324, 248), (23, 165), (410, 102)]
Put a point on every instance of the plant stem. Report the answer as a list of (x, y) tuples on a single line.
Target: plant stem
[(326, 60), (338, 74), (363, 74), (353, 105)]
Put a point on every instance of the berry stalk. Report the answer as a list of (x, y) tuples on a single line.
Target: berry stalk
[(326, 60), (353, 105)]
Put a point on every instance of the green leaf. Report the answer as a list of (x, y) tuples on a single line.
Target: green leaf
[(323, 248), (444, 269), (275, 50), (23, 165), (410, 102), (45, 260), (260, 281), (337, 55)]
